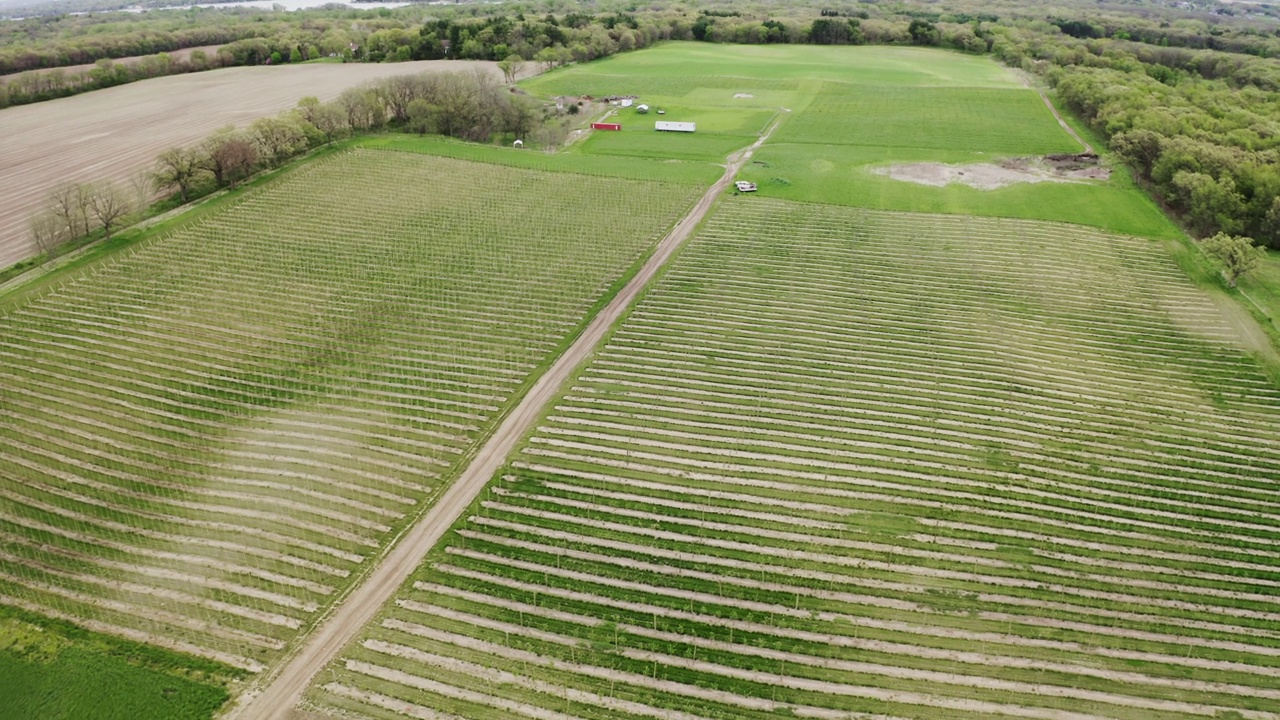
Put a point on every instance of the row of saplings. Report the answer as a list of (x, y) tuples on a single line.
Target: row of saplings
[(471, 106)]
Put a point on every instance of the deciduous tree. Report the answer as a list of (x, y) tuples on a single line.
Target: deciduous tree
[(47, 231), (70, 202), (179, 168), (109, 204), (1238, 254), (511, 67), (277, 138), (230, 156)]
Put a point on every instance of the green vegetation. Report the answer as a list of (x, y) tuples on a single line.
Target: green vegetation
[(50, 670), (852, 113), (675, 70), (208, 436), (1263, 286), (953, 462), (847, 175), (997, 121), (851, 461), (1238, 255), (693, 172)]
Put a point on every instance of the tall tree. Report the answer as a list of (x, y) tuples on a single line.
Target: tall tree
[(230, 156), (109, 203), (70, 202), (179, 168), (511, 67), (47, 231), (1238, 254)]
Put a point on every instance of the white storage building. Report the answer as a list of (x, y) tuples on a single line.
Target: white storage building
[(669, 126)]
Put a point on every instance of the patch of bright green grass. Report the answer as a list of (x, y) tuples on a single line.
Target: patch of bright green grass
[(941, 118), (843, 175), (684, 170), (675, 68), (51, 670), (735, 90), (720, 132), (744, 122), (653, 144), (1263, 286)]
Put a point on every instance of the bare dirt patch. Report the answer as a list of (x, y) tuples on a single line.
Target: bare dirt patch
[(990, 176), (111, 133)]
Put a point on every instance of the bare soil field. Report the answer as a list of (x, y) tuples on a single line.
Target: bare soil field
[(115, 132)]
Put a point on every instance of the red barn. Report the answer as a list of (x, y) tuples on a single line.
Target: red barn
[(606, 126)]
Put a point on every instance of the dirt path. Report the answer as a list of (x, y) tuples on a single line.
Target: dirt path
[(284, 688), (1087, 147)]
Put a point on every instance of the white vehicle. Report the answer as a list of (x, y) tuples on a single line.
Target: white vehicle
[(744, 186)]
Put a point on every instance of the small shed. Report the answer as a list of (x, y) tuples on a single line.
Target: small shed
[(626, 102), (518, 144), (606, 126), (642, 109), (670, 126)]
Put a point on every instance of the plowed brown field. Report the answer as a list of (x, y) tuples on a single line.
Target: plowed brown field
[(114, 132)]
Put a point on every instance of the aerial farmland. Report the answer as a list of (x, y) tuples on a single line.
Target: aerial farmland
[(940, 420)]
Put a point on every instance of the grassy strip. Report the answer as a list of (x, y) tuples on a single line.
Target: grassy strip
[(54, 669), (699, 173)]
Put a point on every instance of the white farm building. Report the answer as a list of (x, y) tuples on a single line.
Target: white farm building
[(669, 126)]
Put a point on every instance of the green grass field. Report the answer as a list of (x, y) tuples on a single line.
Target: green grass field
[(851, 112), (688, 172), (55, 671), (1263, 286), (997, 121), (844, 175)]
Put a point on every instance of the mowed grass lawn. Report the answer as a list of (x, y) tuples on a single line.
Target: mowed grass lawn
[(845, 175), (1008, 121), (848, 112), (52, 670)]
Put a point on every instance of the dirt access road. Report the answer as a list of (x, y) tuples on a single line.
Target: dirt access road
[(112, 133), (286, 686)]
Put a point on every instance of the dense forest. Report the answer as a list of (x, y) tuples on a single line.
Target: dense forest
[(1186, 93)]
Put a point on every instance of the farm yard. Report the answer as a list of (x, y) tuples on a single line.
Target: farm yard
[(850, 113), (207, 438), (843, 461)]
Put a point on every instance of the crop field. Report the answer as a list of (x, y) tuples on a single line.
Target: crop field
[(205, 439), (843, 463), (112, 133)]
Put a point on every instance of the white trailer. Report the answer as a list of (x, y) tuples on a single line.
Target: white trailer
[(669, 126)]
